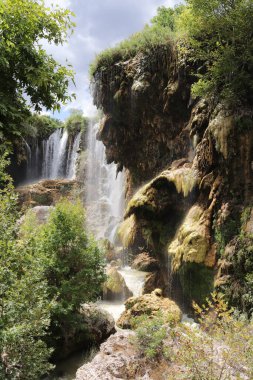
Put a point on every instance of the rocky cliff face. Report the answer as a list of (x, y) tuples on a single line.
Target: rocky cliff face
[(189, 168), (145, 102)]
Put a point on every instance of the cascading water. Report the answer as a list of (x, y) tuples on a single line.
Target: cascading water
[(72, 157), (105, 208), (54, 153), (104, 190), (52, 158)]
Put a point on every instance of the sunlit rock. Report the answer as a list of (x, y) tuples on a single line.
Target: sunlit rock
[(152, 305), (115, 286), (191, 243)]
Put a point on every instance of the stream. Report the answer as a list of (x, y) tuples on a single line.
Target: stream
[(104, 202), (66, 369)]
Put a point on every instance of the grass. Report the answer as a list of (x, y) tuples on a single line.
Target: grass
[(145, 41)]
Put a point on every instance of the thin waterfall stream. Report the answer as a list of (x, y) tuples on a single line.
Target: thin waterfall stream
[(105, 203)]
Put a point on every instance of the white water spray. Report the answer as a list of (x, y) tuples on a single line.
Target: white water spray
[(104, 190), (54, 151), (72, 157)]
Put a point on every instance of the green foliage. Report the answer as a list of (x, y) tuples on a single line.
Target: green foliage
[(196, 281), (76, 122), (220, 349), (24, 315), (46, 272), (166, 17), (224, 232), (145, 41), (219, 34), (239, 287), (73, 264), (239, 261), (150, 335), (25, 66), (40, 126)]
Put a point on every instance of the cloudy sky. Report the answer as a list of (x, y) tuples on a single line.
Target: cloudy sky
[(99, 24)]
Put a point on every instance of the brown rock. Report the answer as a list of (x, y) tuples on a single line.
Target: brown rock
[(152, 281), (45, 192), (144, 262)]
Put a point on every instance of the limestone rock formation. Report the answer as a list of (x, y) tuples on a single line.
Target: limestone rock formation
[(151, 305), (45, 192), (185, 160), (94, 327), (113, 361), (156, 132)]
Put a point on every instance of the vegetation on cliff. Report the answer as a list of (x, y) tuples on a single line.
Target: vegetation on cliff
[(214, 37)]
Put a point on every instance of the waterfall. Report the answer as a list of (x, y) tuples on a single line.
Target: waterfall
[(54, 154), (72, 157), (105, 208), (104, 190), (52, 158)]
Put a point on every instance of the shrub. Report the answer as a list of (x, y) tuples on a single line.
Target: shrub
[(150, 335), (24, 314), (73, 265), (220, 349), (219, 35), (145, 41), (76, 122)]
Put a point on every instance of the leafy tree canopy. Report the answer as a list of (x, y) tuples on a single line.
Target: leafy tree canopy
[(76, 121), (220, 35), (29, 76), (40, 125)]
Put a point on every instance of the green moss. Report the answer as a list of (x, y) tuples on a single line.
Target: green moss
[(185, 179), (191, 242), (224, 232), (197, 281), (127, 231)]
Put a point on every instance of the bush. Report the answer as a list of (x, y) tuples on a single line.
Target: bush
[(24, 314), (145, 41), (76, 122), (220, 349), (150, 335), (41, 126), (45, 273), (219, 37), (73, 265)]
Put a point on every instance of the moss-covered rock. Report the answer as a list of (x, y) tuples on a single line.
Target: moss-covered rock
[(163, 190), (152, 305), (127, 231), (197, 282), (192, 240)]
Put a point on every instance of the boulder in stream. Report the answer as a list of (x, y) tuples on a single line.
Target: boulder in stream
[(151, 305), (115, 287)]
